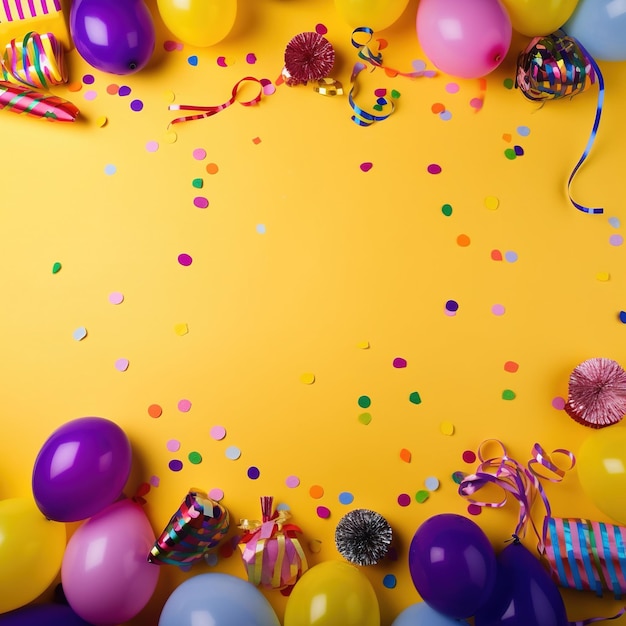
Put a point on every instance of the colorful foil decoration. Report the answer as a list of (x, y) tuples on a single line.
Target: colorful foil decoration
[(209, 111), (579, 553), (37, 61), (363, 537), (199, 525), (22, 99), (270, 549), (597, 393), (309, 57), (557, 66)]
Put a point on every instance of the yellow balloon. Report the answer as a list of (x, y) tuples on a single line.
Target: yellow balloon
[(539, 17), (31, 552), (377, 14), (198, 22), (332, 593), (601, 462)]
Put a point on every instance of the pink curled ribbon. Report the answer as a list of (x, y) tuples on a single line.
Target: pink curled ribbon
[(209, 111)]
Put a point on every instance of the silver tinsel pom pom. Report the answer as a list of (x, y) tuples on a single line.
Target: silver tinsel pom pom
[(363, 537)]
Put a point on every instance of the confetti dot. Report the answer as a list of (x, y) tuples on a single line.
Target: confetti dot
[(323, 512), (253, 472), (260, 228), (523, 131), (154, 481), (198, 183), (463, 240), (112, 89), (446, 209), (474, 509), (152, 146), (212, 168), (195, 458), (445, 116), (519, 151), (136, 105), (216, 494), (269, 89), (415, 398), (170, 137), (476, 103), (181, 329), (458, 477), (498, 309), (56, 267), (366, 166), (603, 276), (345, 497), (622, 317), (405, 455), (200, 202), (80, 333), (121, 365), (431, 483), (364, 402), (491, 203), (437, 108), (508, 83), (365, 418), (218, 433), (558, 403), (616, 240), (173, 445), (509, 153), (399, 362), (452, 88), (316, 492), (170, 45), (89, 79), (320, 29), (199, 154), (452, 305), (511, 366), (185, 259), (110, 169), (508, 394), (507, 137), (496, 255), (434, 168), (233, 453), (102, 121), (251, 58), (155, 410), (404, 499), (168, 96), (124, 91), (256, 140), (221, 61), (307, 378), (116, 297), (447, 428), (363, 345), (614, 222), (510, 256), (469, 456), (74, 86), (292, 482), (315, 546), (184, 406), (421, 496), (389, 581), (193, 60), (175, 465)]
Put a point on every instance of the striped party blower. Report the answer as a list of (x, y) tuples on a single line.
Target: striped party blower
[(33, 103)]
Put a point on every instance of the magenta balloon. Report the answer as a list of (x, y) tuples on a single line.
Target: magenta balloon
[(464, 38), (115, 36), (524, 594), (81, 469), (106, 576), (452, 564)]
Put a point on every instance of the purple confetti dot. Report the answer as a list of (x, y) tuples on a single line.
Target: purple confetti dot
[(519, 151), (89, 79), (399, 362), (323, 512), (616, 240), (200, 202), (136, 105), (253, 472), (452, 306), (292, 482), (251, 58), (124, 90), (185, 259), (175, 465), (434, 168)]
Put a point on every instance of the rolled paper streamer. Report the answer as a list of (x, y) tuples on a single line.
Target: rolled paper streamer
[(18, 17), (37, 61), (270, 549), (309, 57), (199, 525), (558, 66), (22, 99)]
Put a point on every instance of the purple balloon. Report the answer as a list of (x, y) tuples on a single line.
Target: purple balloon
[(452, 564), (115, 36), (42, 615), (81, 469), (524, 594)]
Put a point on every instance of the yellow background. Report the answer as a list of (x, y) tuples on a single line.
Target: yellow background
[(346, 257)]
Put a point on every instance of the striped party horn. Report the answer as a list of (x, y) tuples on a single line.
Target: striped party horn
[(22, 99)]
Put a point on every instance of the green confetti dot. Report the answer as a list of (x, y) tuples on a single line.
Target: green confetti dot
[(395, 94), (458, 477), (56, 268), (509, 153), (508, 83), (446, 209), (195, 458), (508, 394), (364, 402), (365, 418), (198, 183), (415, 398), (421, 496)]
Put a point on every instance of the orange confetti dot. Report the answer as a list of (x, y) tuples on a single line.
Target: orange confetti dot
[(316, 491), (112, 89), (74, 86), (405, 455), (463, 240), (212, 168), (155, 410), (256, 141), (511, 366), (437, 108), (506, 137)]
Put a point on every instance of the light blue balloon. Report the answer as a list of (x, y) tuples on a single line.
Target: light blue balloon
[(217, 600), (421, 614), (600, 26)]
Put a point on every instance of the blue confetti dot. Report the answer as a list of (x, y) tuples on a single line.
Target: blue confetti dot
[(345, 497), (260, 228), (445, 116), (233, 453), (193, 60), (510, 256), (283, 507), (211, 559), (389, 581), (523, 131), (622, 317), (110, 169), (614, 221)]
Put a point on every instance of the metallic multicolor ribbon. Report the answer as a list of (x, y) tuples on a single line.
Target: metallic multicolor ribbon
[(22, 99), (37, 61), (199, 525), (558, 66), (271, 550), (208, 111)]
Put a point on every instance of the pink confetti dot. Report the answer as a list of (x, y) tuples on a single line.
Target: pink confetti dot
[(434, 168), (269, 89), (476, 103), (292, 482), (152, 146), (116, 297), (121, 365), (185, 259), (90, 94), (452, 87), (323, 512), (170, 45), (251, 58), (616, 240), (184, 406), (216, 494), (474, 509), (469, 456), (155, 481), (380, 93), (366, 167), (218, 433), (199, 154), (399, 362), (558, 403), (404, 499), (173, 445), (320, 29), (221, 61), (200, 202), (498, 309)]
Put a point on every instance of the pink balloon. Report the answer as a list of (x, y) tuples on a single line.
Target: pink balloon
[(105, 574), (464, 38)]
